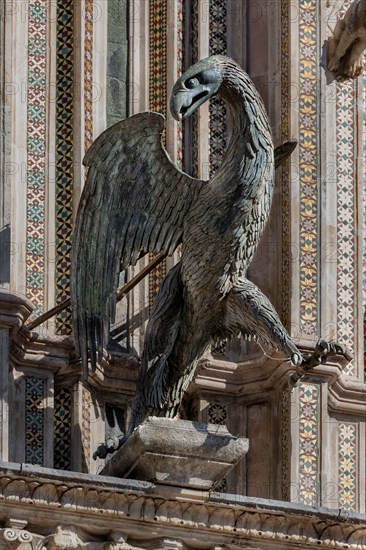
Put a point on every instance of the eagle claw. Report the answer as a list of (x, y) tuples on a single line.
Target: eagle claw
[(109, 447), (323, 350)]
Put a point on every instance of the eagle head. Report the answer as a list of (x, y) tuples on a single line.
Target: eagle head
[(196, 86)]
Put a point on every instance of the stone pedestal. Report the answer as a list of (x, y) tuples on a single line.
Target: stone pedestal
[(179, 453)]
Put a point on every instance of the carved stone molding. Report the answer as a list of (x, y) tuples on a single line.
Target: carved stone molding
[(14, 311), (142, 511)]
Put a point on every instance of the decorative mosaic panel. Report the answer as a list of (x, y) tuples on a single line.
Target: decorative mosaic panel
[(285, 175), (62, 430), (85, 430), (286, 442), (64, 158), (217, 108), (35, 391), (36, 152), (308, 165), (88, 72), (347, 466), (217, 414), (157, 99), (309, 426)]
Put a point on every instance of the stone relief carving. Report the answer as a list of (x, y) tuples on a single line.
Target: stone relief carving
[(140, 512)]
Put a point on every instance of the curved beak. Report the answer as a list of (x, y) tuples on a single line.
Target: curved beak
[(184, 102)]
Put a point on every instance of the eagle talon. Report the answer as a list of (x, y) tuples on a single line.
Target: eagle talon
[(109, 447)]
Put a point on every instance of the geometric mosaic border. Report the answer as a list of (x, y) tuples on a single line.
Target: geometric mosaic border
[(309, 432), (285, 171), (88, 72), (62, 430), (35, 392), (64, 157), (347, 466), (217, 107), (36, 152), (308, 165), (85, 429), (157, 99)]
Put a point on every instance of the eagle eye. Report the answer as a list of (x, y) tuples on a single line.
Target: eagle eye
[(192, 83)]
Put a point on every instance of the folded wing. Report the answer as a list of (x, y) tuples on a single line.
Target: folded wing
[(134, 201)]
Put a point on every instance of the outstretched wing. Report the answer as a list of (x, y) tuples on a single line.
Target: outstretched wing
[(134, 201)]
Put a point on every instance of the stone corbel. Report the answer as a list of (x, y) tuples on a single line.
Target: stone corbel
[(14, 311), (65, 537)]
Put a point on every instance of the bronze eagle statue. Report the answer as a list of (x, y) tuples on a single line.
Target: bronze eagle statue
[(136, 201)]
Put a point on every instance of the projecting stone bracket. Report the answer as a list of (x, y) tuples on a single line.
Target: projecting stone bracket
[(178, 453)]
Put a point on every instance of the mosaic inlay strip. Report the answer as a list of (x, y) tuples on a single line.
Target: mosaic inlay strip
[(62, 429), (180, 55), (285, 174), (364, 223), (64, 158), (346, 209), (36, 153), (286, 442), (157, 99), (309, 426), (35, 391), (88, 72), (217, 108), (347, 466), (308, 165), (85, 429)]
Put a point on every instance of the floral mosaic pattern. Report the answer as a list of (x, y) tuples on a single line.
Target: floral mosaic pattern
[(34, 420), (309, 404), (217, 108), (64, 158), (308, 165), (62, 430), (347, 472), (36, 153)]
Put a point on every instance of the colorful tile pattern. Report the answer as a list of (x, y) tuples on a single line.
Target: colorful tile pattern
[(35, 391), (309, 431), (62, 430), (308, 166), (347, 467), (217, 414), (285, 172), (88, 72), (64, 157), (217, 108), (157, 100), (85, 430), (36, 153)]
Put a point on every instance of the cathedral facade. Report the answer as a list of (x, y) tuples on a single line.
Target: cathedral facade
[(71, 69)]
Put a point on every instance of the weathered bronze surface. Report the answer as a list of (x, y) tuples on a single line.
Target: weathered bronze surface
[(136, 201)]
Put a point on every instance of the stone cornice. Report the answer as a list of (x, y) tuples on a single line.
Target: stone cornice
[(96, 504), (14, 311)]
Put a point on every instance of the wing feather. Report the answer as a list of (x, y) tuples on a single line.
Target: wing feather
[(134, 201)]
